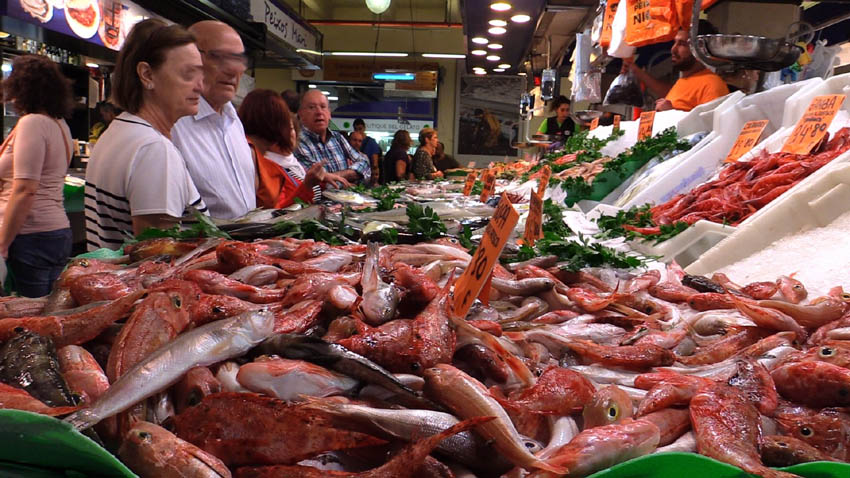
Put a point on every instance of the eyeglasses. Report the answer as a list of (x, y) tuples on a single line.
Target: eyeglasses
[(219, 56)]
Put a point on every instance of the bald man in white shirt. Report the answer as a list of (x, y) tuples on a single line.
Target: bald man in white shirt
[(213, 141)]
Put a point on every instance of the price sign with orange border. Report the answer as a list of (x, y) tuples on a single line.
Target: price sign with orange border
[(545, 174), (749, 137), (534, 222), (470, 182), (594, 124), (616, 122), (470, 283), (489, 180), (813, 125), (645, 125)]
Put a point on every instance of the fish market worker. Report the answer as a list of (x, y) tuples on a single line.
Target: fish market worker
[(561, 123), (319, 144), (696, 85), (213, 141)]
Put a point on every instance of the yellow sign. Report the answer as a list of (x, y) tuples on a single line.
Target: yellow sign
[(813, 125), (749, 137)]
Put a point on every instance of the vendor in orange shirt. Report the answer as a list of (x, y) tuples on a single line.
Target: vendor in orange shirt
[(696, 85)]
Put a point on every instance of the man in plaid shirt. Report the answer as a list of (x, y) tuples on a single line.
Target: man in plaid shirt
[(319, 144)]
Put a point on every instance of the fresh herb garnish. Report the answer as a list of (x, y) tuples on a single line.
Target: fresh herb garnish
[(477, 188), (424, 221), (577, 255), (389, 235), (637, 217), (203, 228)]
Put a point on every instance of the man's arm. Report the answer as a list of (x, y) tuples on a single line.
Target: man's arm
[(657, 87), (360, 164)]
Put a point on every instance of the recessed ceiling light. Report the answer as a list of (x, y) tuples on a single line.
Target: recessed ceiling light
[(92, 65), (521, 18), (333, 98), (500, 6), (494, 57), (497, 31), (498, 70), (504, 65), (478, 52), (326, 93), (495, 46), (479, 40), (480, 72), (311, 86), (522, 73), (498, 23)]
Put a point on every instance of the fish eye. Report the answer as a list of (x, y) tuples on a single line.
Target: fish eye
[(845, 296), (84, 263), (176, 301), (613, 412), (217, 310), (806, 431), (826, 352), (797, 286), (145, 436)]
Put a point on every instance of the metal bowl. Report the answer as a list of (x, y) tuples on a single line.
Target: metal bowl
[(747, 51), (586, 116)]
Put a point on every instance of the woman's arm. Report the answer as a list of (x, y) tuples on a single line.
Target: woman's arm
[(158, 221), (543, 128), (400, 169), (17, 210)]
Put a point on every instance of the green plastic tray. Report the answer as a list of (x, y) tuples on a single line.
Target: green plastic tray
[(51, 447), (74, 198)]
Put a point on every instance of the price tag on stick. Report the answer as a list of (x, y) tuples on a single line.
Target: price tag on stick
[(616, 122), (594, 124), (470, 283), (645, 125), (545, 174), (812, 127), (470, 182), (534, 222), (489, 180), (749, 137)]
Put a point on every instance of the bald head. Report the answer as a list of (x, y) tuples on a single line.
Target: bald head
[(224, 60), (314, 112)]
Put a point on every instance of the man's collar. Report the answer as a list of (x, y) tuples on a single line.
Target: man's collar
[(205, 110), (317, 137)]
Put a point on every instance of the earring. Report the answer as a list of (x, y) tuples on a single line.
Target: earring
[(149, 86)]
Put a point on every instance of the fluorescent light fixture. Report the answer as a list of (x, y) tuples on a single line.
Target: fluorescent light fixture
[(394, 76), (498, 70), (326, 93), (367, 53), (479, 40), (6, 68), (443, 55), (478, 52), (478, 68), (497, 31), (480, 72), (522, 73), (92, 65), (498, 23), (495, 46), (305, 50), (494, 57), (505, 66), (312, 86), (333, 98), (521, 18), (500, 6)]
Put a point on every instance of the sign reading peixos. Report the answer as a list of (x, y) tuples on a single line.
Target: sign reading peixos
[(282, 25)]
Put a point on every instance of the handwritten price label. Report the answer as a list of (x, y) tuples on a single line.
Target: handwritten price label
[(749, 137), (470, 283), (545, 174), (616, 122), (489, 181), (594, 124), (812, 127), (645, 125), (534, 223), (470, 182)]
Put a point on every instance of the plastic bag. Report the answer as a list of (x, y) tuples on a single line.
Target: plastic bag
[(607, 21), (650, 21), (624, 90), (618, 47), (587, 86), (822, 62)]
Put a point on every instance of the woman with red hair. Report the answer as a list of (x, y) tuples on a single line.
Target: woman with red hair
[(270, 130)]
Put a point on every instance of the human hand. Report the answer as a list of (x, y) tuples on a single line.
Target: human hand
[(336, 181), (437, 174), (663, 104)]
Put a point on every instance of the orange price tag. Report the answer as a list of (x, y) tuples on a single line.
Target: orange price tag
[(470, 283), (594, 124), (489, 180), (544, 180), (813, 125), (749, 137), (534, 222), (470, 182), (645, 125), (616, 121)]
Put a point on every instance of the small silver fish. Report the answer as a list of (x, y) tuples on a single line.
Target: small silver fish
[(379, 298)]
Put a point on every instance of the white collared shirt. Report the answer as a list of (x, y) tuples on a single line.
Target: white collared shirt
[(218, 159)]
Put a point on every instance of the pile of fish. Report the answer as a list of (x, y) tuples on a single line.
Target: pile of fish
[(293, 358)]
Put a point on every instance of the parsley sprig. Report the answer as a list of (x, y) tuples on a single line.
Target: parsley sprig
[(425, 221)]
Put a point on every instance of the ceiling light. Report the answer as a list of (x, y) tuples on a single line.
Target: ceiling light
[(479, 40), (366, 53), (333, 98), (378, 6), (443, 55), (406, 76), (522, 73), (312, 86), (500, 6), (480, 72), (92, 65), (521, 18), (495, 46), (504, 65), (476, 68), (498, 23), (6, 68), (494, 57), (498, 70), (497, 31), (326, 93), (478, 52)]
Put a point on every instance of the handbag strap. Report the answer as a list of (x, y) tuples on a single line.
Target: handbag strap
[(7, 140), (64, 142)]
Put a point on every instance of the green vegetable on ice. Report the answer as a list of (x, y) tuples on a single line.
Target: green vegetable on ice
[(424, 221), (636, 217)]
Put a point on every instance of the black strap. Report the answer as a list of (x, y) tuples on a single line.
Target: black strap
[(134, 122)]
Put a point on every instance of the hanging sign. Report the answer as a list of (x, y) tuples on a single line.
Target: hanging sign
[(749, 137), (813, 125), (645, 125), (285, 25)]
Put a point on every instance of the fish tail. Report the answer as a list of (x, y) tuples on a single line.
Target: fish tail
[(80, 420)]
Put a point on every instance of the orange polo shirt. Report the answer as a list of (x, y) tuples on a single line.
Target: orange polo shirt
[(688, 93)]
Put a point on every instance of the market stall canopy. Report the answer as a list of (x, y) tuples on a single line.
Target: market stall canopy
[(506, 48)]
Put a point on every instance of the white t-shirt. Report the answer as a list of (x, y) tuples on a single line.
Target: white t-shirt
[(218, 159), (134, 170)]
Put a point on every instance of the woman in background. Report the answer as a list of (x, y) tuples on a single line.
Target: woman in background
[(35, 238), (272, 135), (560, 124), (423, 164), (397, 161)]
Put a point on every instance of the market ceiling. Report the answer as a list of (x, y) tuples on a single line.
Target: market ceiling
[(491, 50)]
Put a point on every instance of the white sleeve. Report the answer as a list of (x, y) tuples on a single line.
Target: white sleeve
[(158, 182)]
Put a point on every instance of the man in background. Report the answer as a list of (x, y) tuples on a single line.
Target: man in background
[(369, 147)]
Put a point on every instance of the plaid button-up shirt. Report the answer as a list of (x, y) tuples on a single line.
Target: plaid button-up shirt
[(336, 153)]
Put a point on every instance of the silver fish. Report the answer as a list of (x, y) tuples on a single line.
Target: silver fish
[(331, 261), (379, 298), (289, 380), (524, 287), (206, 345), (257, 275)]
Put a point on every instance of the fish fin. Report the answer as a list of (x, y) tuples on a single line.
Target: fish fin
[(543, 465)]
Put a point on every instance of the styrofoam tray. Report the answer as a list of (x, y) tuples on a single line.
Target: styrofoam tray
[(816, 204), (663, 120)]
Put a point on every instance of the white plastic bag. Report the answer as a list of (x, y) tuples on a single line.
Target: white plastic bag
[(823, 61), (619, 48), (587, 87)]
